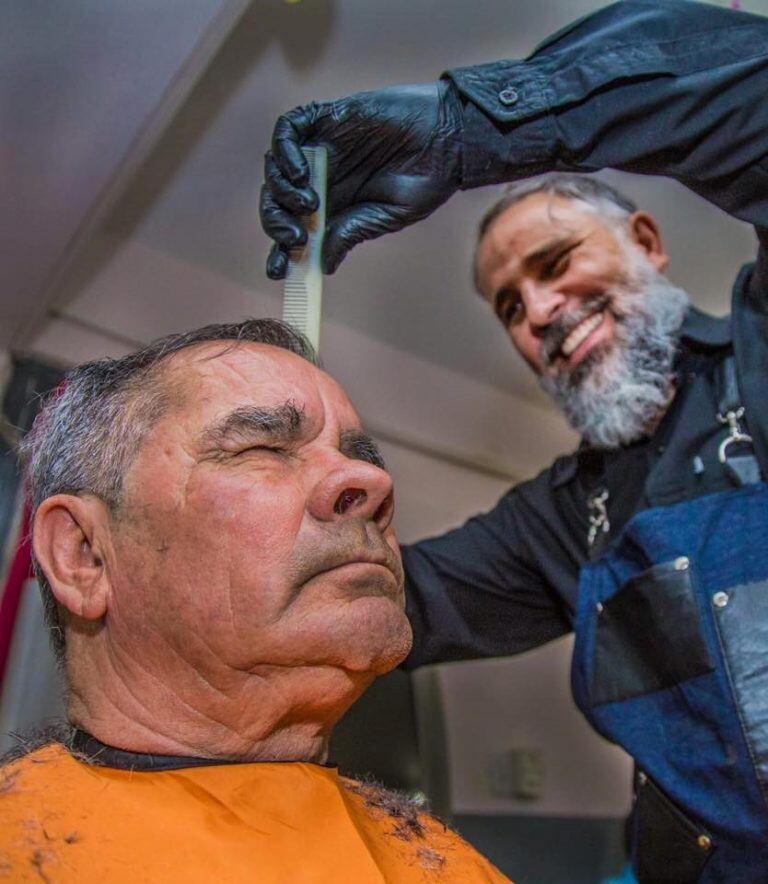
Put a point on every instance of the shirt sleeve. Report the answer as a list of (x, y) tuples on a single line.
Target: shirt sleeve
[(478, 591), (667, 87)]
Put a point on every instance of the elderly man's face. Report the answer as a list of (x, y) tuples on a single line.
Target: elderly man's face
[(256, 529)]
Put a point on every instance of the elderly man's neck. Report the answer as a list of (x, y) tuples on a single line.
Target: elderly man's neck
[(270, 714)]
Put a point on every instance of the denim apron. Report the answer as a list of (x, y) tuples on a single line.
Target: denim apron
[(671, 663)]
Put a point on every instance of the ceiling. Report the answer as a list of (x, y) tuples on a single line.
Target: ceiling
[(157, 164)]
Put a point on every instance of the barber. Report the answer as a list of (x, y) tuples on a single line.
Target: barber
[(651, 541)]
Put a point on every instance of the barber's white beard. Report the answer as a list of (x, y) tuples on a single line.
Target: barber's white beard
[(619, 392)]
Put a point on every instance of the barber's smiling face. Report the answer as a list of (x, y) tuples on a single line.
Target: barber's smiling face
[(256, 528), (552, 270)]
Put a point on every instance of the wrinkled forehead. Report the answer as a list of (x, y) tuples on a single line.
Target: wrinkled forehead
[(528, 226), (211, 378), (535, 217)]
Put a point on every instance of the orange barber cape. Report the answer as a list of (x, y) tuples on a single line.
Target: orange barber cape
[(62, 820)]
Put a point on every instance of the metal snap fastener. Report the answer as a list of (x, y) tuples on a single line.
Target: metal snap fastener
[(642, 779), (720, 599), (682, 563), (508, 96), (704, 842), (599, 607)]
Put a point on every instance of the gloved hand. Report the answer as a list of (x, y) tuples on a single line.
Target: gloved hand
[(394, 156)]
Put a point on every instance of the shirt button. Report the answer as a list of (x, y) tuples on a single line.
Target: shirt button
[(682, 563), (508, 96), (720, 599)]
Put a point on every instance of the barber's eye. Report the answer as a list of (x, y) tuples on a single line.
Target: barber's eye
[(510, 310), (557, 266)]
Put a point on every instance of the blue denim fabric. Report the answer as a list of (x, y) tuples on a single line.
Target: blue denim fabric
[(698, 739)]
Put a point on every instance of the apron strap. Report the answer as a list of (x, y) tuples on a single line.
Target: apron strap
[(740, 465), (728, 398)]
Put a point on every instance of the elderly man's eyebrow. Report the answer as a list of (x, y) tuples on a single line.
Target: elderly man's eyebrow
[(284, 421), (358, 445)]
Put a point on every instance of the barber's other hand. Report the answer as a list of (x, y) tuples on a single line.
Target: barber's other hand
[(394, 156)]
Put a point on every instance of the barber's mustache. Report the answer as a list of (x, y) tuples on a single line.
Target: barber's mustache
[(559, 329)]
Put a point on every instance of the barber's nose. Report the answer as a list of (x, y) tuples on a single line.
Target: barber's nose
[(542, 303), (354, 489)]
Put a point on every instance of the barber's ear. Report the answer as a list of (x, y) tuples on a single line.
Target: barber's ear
[(68, 537), (645, 232)]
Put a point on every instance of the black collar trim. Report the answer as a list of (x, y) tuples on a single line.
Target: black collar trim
[(84, 746), (701, 329), (87, 748)]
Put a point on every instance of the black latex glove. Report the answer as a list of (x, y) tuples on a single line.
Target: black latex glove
[(394, 156)]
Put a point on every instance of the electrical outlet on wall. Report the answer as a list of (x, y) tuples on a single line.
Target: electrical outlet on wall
[(516, 773)]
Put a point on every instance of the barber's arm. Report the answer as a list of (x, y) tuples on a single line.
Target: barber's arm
[(482, 590), (654, 86)]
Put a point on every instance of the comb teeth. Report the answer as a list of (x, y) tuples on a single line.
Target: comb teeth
[(302, 293)]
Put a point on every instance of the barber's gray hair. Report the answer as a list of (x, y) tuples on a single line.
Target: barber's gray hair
[(90, 429), (594, 193)]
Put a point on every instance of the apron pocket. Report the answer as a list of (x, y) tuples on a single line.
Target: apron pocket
[(667, 846), (648, 635)]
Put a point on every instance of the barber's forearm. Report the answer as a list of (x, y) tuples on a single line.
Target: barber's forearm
[(669, 87)]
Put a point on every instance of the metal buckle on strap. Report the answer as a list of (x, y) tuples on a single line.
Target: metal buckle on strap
[(732, 418)]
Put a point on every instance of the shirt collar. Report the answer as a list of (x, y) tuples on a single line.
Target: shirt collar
[(703, 330)]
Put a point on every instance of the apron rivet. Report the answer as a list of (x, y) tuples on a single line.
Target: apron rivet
[(704, 842), (720, 599), (681, 564)]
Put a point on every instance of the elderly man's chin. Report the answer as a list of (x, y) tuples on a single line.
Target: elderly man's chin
[(384, 640), (372, 632), (350, 617)]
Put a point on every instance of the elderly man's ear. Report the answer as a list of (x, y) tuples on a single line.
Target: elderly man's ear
[(70, 538)]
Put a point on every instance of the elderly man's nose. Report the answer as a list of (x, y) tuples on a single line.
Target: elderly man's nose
[(357, 490), (349, 498)]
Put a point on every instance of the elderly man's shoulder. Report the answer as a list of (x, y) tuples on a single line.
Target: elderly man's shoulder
[(68, 820), (423, 843), (43, 798)]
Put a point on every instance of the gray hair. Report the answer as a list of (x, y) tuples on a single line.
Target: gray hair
[(89, 430), (595, 194)]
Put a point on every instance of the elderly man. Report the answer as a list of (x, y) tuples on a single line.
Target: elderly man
[(213, 536), (650, 541)]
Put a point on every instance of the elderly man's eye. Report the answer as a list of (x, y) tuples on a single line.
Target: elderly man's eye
[(263, 449)]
